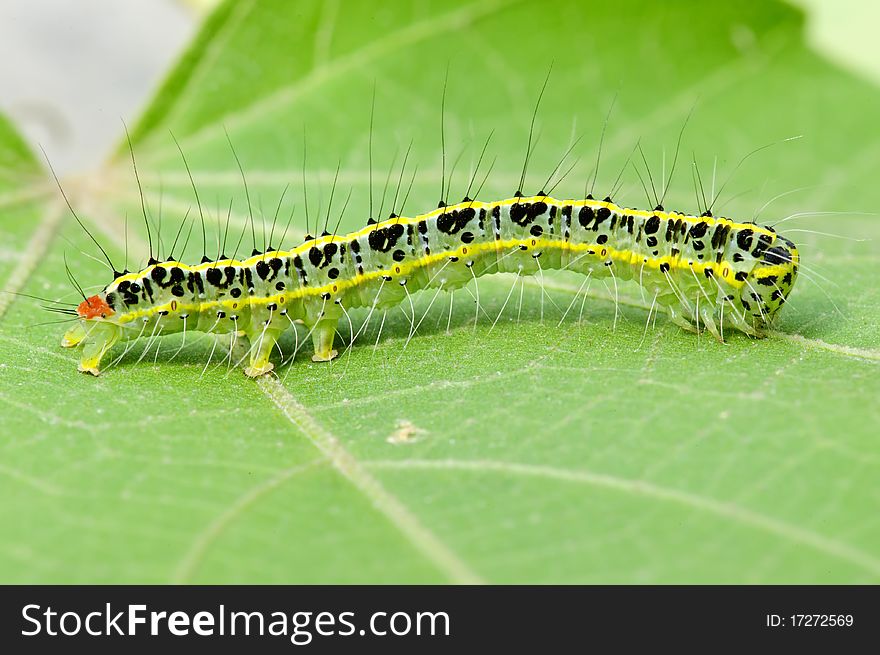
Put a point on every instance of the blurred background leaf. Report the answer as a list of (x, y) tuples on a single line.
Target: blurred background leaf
[(589, 449)]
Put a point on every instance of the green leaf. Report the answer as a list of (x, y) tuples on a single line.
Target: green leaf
[(589, 449)]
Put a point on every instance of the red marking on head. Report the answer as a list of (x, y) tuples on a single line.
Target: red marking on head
[(94, 307)]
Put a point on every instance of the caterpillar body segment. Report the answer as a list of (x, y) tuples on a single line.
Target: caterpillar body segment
[(708, 272)]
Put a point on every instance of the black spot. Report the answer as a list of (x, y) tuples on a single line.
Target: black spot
[(787, 279), (537, 209), (768, 281), (467, 237), (333, 273), (719, 236), (454, 221), (708, 272), (158, 274), (194, 280), (316, 256), (230, 275), (652, 225), (651, 241), (737, 257), (235, 292), (698, 231), (519, 214), (263, 269), (602, 238), (744, 238), (355, 246), (698, 245), (279, 286), (398, 255), (423, 227), (177, 290), (680, 229), (603, 213), (213, 275), (741, 276), (135, 287), (777, 255), (764, 241), (177, 274), (536, 230), (664, 267), (585, 216)]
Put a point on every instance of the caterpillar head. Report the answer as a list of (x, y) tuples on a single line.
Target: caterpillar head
[(95, 331), (94, 308), (769, 282)]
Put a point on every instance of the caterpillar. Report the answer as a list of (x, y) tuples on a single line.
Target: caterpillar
[(705, 270)]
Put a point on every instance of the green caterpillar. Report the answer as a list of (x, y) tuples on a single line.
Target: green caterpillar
[(706, 271)]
